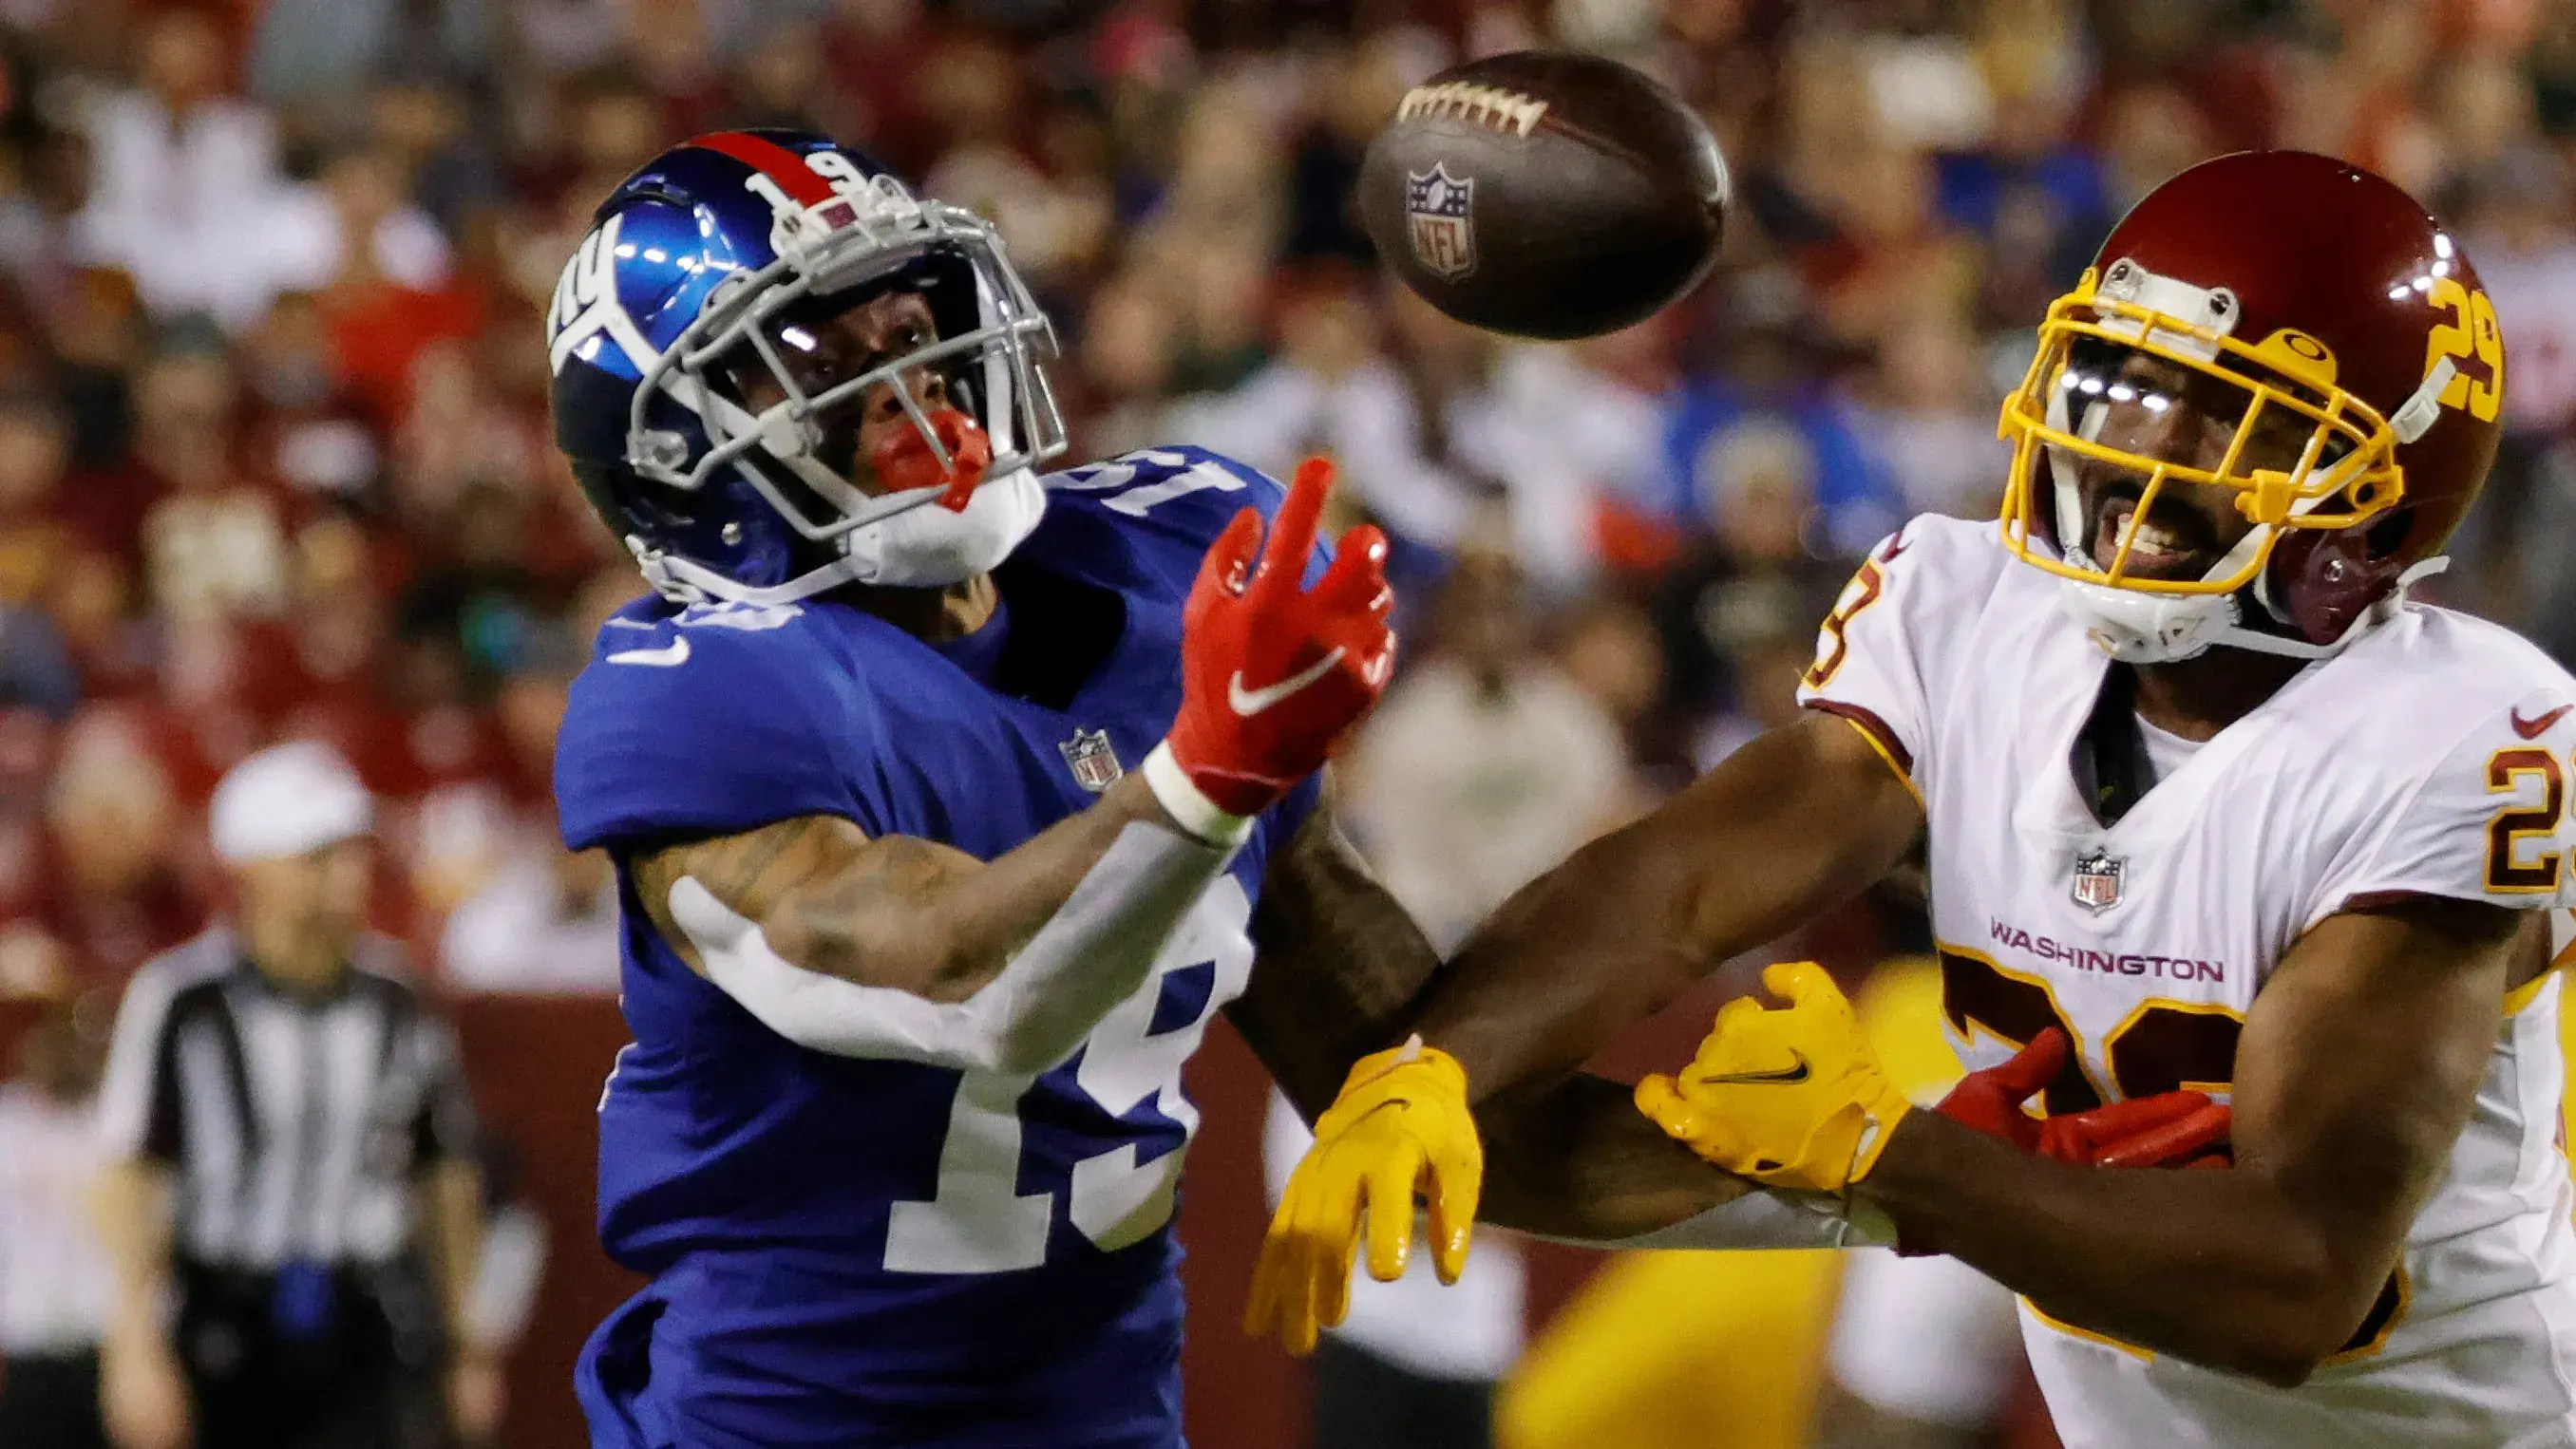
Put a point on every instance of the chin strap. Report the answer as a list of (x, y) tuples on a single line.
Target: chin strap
[(1764, 1218), (684, 582), (919, 547), (2137, 628), (2371, 618)]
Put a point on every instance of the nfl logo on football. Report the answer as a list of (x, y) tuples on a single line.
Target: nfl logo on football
[(1440, 208), (2097, 879), (1094, 763)]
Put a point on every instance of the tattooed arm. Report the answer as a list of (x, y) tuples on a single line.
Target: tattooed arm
[(898, 947), (1341, 971), (1337, 964), (893, 910)]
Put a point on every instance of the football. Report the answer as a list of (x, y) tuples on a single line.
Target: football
[(1545, 194)]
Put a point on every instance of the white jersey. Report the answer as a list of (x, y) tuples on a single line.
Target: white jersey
[(2429, 758)]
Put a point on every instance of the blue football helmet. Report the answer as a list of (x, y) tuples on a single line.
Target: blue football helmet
[(700, 293)]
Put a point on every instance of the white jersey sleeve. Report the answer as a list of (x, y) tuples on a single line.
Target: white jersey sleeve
[(2490, 820), (1887, 656)]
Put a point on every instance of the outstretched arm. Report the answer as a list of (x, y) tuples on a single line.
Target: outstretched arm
[(905, 948), (1341, 972), (1338, 967), (1800, 819), (893, 911), (1572, 1159)]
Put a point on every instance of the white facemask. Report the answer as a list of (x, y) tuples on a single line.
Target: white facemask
[(928, 546), (2142, 628)]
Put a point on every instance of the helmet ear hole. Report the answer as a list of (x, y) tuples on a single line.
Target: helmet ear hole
[(2389, 534)]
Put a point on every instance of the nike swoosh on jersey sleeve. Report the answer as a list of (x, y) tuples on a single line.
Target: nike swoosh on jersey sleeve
[(2532, 729), (669, 656)]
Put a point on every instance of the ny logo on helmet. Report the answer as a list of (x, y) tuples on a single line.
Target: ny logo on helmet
[(586, 308)]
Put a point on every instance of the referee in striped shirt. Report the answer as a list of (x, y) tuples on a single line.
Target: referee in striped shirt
[(292, 1210)]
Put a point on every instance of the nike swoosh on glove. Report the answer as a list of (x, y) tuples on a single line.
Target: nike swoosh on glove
[(1273, 674), (1400, 1126), (1789, 1097)]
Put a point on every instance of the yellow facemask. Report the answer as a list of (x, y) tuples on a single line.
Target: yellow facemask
[(2301, 452)]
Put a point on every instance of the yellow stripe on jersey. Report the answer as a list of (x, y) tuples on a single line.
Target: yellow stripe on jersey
[(2519, 999), (1903, 776), (2386, 1311), (2088, 1335)]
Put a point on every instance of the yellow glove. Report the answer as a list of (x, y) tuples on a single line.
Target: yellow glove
[(1790, 1097), (1400, 1125)]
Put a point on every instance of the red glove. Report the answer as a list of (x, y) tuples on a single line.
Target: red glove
[(2170, 1129), (2165, 1130), (1272, 675)]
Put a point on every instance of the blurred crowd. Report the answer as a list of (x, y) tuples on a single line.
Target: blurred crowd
[(274, 455)]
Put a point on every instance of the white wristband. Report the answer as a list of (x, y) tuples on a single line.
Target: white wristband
[(1190, 809), (1765, 1218)]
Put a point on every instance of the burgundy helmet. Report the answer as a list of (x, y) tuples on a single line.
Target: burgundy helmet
[(2331, 335)]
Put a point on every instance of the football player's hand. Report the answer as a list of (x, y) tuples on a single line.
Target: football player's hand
[(1788, 1096), (1400, 1126), (1272, 674), (2170, 1129)]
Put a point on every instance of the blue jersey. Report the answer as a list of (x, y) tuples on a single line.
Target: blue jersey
[(851, 1251)]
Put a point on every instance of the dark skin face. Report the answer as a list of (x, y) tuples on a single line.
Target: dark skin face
[(2181, 416), (828, 350), (824, 352)]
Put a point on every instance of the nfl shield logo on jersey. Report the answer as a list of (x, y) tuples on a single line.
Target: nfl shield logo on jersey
[(1094, 761), (2097, 879), (1440, 209)]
